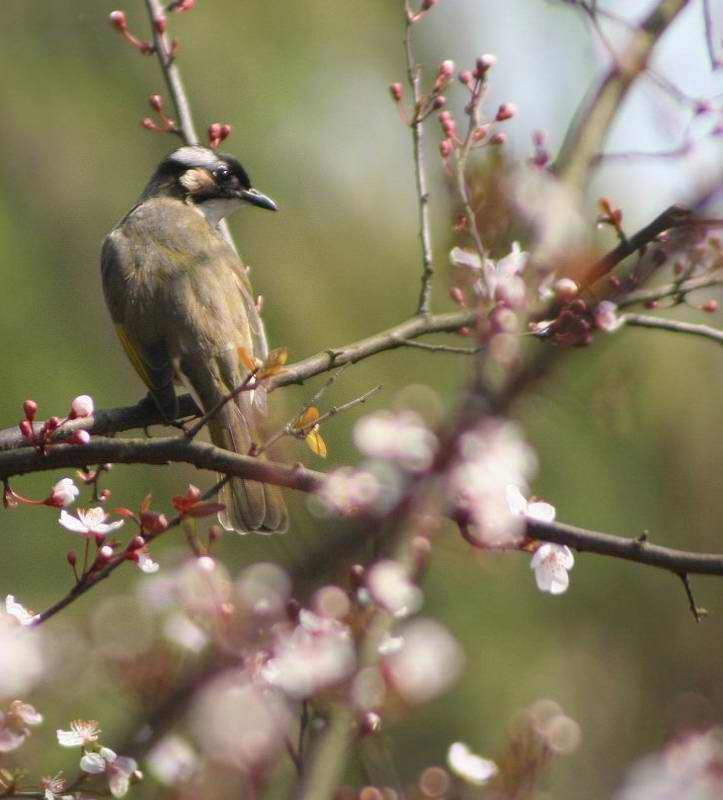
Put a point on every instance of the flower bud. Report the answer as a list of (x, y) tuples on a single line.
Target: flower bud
[(465, 77), (214, 533), (184, 5), (445, 148), (52, 424), (71, 558), (506, 111), (193, 493), (153, 523), (484, 63), (79, 437), (565, 290), (457, 296), (104, 555), (356, 575), (149, 124), (371, 723), (498, 138), (30, 407), (155, 101), (225, 131), (118, 20), (81, 407), (710, 306), (26, 429), (439, 102), (446, 70), (136, 542), (395, 89), (160, 24)]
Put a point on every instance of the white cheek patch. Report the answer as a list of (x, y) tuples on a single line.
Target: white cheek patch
[(197, 180), (216, 210)]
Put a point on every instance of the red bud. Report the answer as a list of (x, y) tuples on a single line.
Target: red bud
[(710, 306), (506, 111), (155, 101), (160, 24), (395, 90), (52, 424), (465, 77), (30, 407), (71, 558)]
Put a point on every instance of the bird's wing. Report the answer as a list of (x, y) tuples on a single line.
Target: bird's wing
[(149, 358)]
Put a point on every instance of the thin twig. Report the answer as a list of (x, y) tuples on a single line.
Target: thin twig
[(442, 348), (674, 289), (244, 386), (417, 126), (697, 611), (673, 325), (601, 105)]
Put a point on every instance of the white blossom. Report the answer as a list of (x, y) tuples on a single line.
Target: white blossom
[(551, 563), (469, 766), (146, 563), (607, 318), (22, 661), (64, 493), (14, 609), (537, 509), (349, 491), (15, 725), (82, 733), (172, 760), (89, 522)]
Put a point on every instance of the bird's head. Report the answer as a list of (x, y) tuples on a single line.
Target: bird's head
[(215, 183)]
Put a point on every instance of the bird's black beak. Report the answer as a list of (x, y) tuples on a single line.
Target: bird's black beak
[(257, 199)]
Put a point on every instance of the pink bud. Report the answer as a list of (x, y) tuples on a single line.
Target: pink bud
[(155, 101), (710, 306), (183, 5), (506, 111), (464, 331), (160, 24), (214, 533), (149, 124), (79, 437), (427, 4), (445, 148), (484, 63), (26, 429), (498, 138), (193, 493), (71, 558), (118, 20), (446, 70), (81, 407), (565, 290), (225, 131), (52, 424), (104, 555), (104, 495), (371, 723), (457, 296), (136, 542), (439, 102), (395, 89), (30, 407), (465, 77), (356, 574)]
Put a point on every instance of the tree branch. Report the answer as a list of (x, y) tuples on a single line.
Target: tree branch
[(599, 108), (673, 325)]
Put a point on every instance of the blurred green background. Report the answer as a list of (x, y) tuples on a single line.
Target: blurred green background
[(628, 432)]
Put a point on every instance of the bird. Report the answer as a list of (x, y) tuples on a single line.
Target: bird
[(183, 309)]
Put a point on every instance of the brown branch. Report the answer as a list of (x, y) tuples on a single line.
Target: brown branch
[(673, 325), (420, 173), (677, 288), (599, 108)]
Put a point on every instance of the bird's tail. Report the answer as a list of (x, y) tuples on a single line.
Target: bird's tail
[(250, 506)]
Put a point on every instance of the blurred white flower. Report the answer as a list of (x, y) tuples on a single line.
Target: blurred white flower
[(400, 437), (469, 766), (390, 587), (428, 663), (182, 631), (504, 282), (82, 406), (689, 768), (606, 317), (15, 725), (239, 723), (319, 652), (64, 493), (349, 491), (492, 457), (551, 563), (539, 510), (22, 661), (14, 609), (82, 732), (117, 769), (264, 588), (172, 760), (89, 522)]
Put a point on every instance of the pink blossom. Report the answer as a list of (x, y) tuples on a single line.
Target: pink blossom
[(551, 563), (64, 493), (89, 522), (389, 586), (117, 769), (400, 437), (349, 491), (15, 725)]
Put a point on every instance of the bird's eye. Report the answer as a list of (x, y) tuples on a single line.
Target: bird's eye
[(222, 173)]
